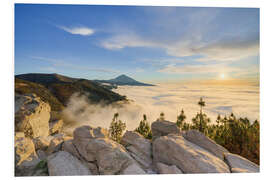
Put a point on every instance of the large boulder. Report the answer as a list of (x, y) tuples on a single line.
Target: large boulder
[(32, 115), (64, 164), (90, 132), (94, 146), (201, 140), (83, 134), (190, 158), (165, 169), (111, 157), (239, 164), (68, 146), (163, 128), (139, 148)]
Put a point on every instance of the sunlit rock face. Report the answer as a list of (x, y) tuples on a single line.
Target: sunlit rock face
[(190, 158), (139, 148), (201, 140), (239, 164), (32, 115), (64, 164)]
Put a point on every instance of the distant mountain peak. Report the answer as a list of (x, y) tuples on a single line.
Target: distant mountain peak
[(124, 80)]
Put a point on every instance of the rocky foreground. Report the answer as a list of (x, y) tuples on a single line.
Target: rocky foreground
[(41, 149)]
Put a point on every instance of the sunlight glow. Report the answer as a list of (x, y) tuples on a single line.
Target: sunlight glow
[(222, 76)]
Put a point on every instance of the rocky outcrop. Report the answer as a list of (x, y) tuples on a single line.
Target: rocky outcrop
[(91, 152), (24, 149), (139, 148), (83, 134), (201, 140), (94, 146), (32, 115), (42, 142), (56, 143), (163, 128), (110, 156), (239, 164), (165, 169), (56, 126), (64, 164), (188, 157), (26, 158)]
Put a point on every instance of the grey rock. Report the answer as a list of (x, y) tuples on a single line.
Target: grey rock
[(190, 158), (240, 164), (165, 169), (64, 164), (163, 128), (138, 147), (201, 140)]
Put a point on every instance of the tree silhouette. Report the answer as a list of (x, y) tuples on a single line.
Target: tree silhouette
[(162, 116), (201, 103), (180, 119)]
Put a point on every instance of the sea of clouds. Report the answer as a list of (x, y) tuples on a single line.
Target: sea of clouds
[(242, 100)]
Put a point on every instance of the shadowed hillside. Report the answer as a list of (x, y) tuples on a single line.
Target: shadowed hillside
[(62, 87), (26, 87)]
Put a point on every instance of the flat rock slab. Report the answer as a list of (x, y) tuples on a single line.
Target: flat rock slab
[(239, 164), (64, 164), (138, 147), (190, 158), (201, 140)]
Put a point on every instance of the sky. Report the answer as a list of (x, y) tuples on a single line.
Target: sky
[(150, 44)]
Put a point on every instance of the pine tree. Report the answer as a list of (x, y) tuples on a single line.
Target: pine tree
[(162, 116), (117, 128), (144, 128), (180, 119)]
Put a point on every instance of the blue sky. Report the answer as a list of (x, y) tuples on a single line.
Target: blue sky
[(147, 43)]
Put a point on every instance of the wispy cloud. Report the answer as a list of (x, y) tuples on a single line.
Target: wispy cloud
[(222, 50), (129, 40), (202, 36), (199, 69), (56, 63), (81, 30)]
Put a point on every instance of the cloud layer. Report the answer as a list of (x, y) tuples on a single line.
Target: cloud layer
[(242, 100)]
